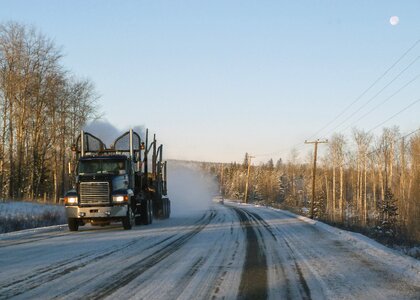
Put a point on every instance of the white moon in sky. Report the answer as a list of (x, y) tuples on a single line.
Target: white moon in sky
[(394, 20)]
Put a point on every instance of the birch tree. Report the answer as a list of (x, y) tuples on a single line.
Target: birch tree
[(41, 107)]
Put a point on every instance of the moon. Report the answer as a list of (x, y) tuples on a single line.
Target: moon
[(394, 20)]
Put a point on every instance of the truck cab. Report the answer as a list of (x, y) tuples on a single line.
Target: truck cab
[(103, 192)]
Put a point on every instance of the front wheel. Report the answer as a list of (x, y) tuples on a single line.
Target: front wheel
[(128, 221), (73, 224)]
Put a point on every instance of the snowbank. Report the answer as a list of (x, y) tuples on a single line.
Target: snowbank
[(16, 215), (401, 263)]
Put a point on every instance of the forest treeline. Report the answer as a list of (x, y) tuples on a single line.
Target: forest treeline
[(42, 107), (365, 182)]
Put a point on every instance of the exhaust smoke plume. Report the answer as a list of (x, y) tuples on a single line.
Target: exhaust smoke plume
[(190, 189), (107, 132)]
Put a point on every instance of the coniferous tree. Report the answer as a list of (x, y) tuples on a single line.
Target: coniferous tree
[(389, 222)]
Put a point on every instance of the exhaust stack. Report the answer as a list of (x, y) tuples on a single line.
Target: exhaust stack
[(131, 144), (82, 143)]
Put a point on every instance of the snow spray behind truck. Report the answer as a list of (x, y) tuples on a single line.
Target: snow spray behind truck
[(114, 184)]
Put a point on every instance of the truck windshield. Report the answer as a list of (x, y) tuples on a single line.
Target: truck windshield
[(102, 167)]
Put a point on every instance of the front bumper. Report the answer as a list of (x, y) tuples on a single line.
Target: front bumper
[(96, 212)]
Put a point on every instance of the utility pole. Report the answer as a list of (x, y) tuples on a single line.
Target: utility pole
[(314, 171), (221, 181), (247, 177)]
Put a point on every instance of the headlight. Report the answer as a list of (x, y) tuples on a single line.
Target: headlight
[(70, 200), (120, 198)]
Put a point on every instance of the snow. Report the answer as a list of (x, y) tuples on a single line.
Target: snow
[(201, 255), (17, 215), (182, 257), (399, 262), (201, 252), (337, 263)]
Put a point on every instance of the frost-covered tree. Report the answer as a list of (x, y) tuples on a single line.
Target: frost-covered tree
[(389, 222), (41, 108), (357, 182)]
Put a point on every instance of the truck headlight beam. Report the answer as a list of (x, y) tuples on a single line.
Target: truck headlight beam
[(70, 200), (120, 198)]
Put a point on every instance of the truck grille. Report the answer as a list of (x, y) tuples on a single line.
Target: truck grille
[(94, 193)]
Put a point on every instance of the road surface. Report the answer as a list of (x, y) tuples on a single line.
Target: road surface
[(225, 252)]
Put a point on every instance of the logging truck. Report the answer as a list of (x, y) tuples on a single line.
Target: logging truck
[(117, 184)]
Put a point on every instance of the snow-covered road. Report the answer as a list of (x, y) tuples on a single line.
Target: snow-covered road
[(227, 251)]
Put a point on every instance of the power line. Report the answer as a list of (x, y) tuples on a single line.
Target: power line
[(366, 90), (376, 95), (396, 114), (377, 149), (383, 102), (410, 133), (295, 146), (403, 137)]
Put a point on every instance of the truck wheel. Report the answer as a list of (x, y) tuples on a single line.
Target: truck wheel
[(73, 224), (144, 212), (166, 208), (166, 204), (128, 221), (138, 220), (150, 212), (147, 212)]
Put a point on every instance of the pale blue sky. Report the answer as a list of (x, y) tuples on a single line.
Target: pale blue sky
[(216, 79)]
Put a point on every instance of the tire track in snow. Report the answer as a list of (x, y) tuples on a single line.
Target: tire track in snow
[(222, 271), (287, 267), (207, 267), (52, 272), (14, 242), (220, 261), (186, 278), (304, 289), (40, 276), (355, 274), (277, 261), (113, 283), (254, 274)]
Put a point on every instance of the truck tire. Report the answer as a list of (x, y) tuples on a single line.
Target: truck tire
[(169, 208), (150, 212), (128, 221), (147, 212), (166, 205), (73, 224), (138, 220), (144, 212), (164, 208)]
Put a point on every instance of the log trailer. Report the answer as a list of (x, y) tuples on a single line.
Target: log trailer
[(114, 184)]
